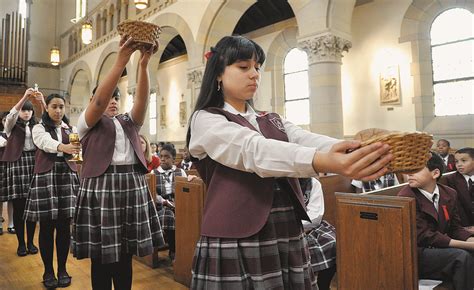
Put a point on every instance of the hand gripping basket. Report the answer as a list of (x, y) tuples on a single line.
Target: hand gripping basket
[(139, 31), (410, 151)]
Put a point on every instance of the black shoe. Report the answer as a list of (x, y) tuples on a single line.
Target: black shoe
[(32, 249), (64, 279), (50, 281), (21, 251), (1, 231), (11, 231)]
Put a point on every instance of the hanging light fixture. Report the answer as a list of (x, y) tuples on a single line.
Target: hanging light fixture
[(86, 32), (141, 4), (54, 55)]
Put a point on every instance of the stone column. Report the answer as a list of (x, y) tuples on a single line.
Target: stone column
[(324, 76)]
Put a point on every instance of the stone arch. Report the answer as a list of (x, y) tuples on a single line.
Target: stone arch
[(279, 47), (415, 28), (110, 48), (80, 65)]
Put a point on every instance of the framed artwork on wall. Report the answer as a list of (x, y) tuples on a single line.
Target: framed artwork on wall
[(182, 113), (390, 86), (163, 115)]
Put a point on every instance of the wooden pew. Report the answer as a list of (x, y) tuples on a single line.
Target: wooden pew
[(330, 185), (377, 231), (150, 260), (192, 172), (189, 201), (376, 242)]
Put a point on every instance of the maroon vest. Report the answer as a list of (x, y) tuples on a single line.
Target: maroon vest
[(15, 144), (238, 203), (99, 143), (44, 161)]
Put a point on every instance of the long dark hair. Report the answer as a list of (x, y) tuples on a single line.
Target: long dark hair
[(227, 51), (27, 106), (49, 124)]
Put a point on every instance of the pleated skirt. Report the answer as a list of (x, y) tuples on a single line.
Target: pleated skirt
[(115, 215), (277, 257), (52, 194)]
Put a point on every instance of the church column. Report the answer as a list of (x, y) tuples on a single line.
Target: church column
[(324, 76)]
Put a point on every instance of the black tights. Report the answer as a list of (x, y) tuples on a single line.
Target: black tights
[(324, 278), (170, 239), (120, 273), (19, 223), (46, 243)]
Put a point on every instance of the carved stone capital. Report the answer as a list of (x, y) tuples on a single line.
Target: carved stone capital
[(325, 48), (195, 77)]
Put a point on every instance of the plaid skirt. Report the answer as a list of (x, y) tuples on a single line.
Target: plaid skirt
[(322, 246), (276, 257), (115, 215), (18, 176), (52, 194), (3, 181), (166, 216)]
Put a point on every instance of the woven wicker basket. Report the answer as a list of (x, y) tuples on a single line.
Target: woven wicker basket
[(410, 151), (139, 31)]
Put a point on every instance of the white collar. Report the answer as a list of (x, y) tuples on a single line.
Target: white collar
[(429, 195), (161, 170), (467, 177)]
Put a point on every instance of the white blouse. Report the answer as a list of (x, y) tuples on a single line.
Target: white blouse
[(10, 122), (45, 142), (123, 149), (244, 149)]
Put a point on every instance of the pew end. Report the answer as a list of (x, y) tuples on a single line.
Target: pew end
[(189, 200)]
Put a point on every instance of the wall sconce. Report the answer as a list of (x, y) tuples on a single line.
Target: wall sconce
[(86, 32), (54, 57)]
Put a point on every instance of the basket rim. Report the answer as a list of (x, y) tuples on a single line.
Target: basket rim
[(396, 134)]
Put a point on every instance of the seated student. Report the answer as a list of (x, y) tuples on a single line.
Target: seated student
[(445, 248), (462, 181), (152, 160), (320, 235), (389, 179), (443, 147), (186, 163), (165, 186)]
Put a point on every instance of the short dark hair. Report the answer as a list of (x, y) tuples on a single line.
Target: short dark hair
[(466, 150), (170, 148), (444, 140), (436, 162)]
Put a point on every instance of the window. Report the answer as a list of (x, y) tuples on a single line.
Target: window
[(296, 87), (452, 51), (81, 9), (153, 114), (22, 8)]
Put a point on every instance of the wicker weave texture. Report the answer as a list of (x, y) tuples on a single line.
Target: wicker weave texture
[(410, 151), (140, 31)]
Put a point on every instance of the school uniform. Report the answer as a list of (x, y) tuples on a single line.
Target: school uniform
[(465, 196), (165, 189), (449, 162), (320, 235), (55, 182), (114, 211), (3, 166), (186, 165), (19, 155), (251, 234), (437, 222)]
